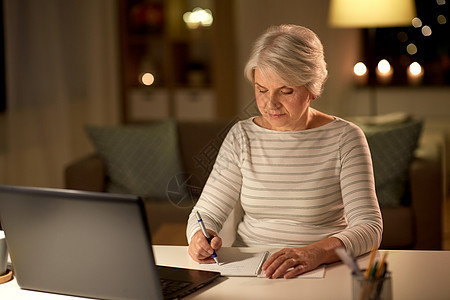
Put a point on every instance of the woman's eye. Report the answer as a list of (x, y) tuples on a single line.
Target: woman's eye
[(287, 92), (262, 91)]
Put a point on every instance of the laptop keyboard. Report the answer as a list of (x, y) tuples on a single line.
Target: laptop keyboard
[(172, 286)]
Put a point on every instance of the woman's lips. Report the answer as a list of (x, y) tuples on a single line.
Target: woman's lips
[(275, 115)]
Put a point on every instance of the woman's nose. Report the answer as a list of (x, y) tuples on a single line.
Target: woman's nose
[(272, 101)]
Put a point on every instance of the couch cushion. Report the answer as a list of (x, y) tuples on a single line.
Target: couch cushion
[(140, 159), (392, 147)]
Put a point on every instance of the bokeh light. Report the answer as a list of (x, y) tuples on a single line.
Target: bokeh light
[(415, 68), (411, 49), (147, 78), (360, 69), (384, 66)]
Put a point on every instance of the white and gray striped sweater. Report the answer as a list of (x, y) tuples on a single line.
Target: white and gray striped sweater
[(295, 187)]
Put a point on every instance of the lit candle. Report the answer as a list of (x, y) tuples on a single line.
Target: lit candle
[(384, 72), (361, 74), (414, 73)]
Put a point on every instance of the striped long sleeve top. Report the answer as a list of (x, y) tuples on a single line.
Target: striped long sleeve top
[(295, 187)]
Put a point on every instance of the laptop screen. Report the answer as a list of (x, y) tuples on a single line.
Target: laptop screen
[(79, 243)]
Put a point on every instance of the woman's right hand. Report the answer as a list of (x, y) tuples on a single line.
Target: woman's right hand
[(199, 248)]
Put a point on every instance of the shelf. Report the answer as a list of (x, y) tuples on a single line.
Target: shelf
[(182, 61), (148, 104), (195, 104)]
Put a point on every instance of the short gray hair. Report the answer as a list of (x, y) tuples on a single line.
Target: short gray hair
[(294, 53)]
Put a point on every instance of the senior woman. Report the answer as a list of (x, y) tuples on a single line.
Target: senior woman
[(303, 178)]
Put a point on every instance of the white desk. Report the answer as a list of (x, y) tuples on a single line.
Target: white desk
[(416, 275)]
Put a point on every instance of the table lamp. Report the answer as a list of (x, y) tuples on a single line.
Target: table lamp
[(371, 14)]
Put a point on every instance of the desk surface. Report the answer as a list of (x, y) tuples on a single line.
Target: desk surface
[(416, 275)]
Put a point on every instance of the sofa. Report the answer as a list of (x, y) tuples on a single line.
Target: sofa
[(412, 223)]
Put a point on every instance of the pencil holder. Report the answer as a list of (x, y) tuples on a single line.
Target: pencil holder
[(372, 289)]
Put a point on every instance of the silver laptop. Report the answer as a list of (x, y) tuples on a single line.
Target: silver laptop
[(87, 244)]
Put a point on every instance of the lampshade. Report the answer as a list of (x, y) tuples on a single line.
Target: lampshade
[(371, 13)]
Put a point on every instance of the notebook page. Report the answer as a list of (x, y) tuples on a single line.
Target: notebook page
[(233, 262)]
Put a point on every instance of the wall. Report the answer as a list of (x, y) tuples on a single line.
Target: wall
[(62, 73)]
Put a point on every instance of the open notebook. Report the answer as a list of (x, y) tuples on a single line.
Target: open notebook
[(236, 262)]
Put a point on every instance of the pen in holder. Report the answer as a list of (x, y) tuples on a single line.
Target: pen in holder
[(372, 288)]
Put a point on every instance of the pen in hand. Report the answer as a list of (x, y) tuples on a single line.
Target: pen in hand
[(205, 233)]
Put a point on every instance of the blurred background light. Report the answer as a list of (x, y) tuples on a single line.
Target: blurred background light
[(441, 19), (411, 49), (384, 66), (360, 69), (415, 68), (198, 17), (415, 73), (416, 22), (426, 30), (147, 78)]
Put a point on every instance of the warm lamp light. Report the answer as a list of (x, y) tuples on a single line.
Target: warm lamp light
[(384, 71), (147, 79), (371, 13), (384, 66), (415, 73), (415, 68), (360, 71)]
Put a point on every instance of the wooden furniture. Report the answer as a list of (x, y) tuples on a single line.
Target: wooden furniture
[(416, 275)]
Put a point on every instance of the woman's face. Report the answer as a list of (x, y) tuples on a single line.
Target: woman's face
[(283, 108)]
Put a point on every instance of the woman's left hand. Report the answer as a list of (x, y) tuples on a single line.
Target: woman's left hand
[(291, 262)]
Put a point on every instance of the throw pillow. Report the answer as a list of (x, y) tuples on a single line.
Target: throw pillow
[(392, 148), (140, 159)]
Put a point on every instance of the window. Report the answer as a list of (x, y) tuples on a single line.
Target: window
[(426, 41)]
